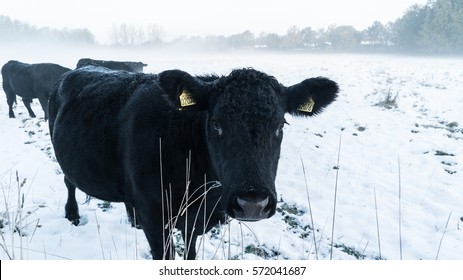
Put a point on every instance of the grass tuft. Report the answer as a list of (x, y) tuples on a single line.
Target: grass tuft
[(16, 226), (389, 100)]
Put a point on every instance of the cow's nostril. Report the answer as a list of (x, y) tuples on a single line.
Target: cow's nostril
[(251, 209), (249, 205)]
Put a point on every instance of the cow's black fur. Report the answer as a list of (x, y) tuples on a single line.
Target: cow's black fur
[(30, 81), (121, 136), (130, 66)]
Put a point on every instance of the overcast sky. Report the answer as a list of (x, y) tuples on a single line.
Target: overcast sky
[(204, 17)]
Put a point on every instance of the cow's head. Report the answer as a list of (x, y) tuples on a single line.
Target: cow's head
[(244, 129), (135, 66)]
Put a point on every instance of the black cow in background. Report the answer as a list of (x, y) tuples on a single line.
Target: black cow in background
[(180, 151), (30, 81), (114, 65)]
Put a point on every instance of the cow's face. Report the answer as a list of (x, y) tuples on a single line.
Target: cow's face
[(244, 130)]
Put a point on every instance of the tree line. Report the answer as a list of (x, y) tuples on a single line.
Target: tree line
[(434, 28), (14, 31)]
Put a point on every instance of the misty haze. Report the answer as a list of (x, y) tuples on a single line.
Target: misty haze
[(434, 28)]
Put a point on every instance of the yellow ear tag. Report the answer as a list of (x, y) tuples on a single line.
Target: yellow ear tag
[(307, 107), (186, 99)]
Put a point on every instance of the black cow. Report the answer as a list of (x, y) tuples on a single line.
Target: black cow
[(180, 151), (30, 81), (114, 65)]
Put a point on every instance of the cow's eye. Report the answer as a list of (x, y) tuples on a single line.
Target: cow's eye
[(217, 127)]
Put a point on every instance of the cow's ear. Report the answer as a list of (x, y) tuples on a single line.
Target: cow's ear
[(184, 91), (310, 96)]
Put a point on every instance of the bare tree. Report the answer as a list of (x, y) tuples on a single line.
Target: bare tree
[(127, 34), (154, 33)]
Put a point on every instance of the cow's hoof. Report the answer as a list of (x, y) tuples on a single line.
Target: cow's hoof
[(133, 224), (75, 220)]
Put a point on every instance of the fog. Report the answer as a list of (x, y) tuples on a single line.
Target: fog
[(435, 28), (203, 17)]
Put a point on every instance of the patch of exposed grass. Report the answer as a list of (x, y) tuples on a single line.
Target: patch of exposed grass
[(350, 251), (105, 206), (261, 251), (389, 100), (442, 153)]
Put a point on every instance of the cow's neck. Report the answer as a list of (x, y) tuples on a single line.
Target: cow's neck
[(187, 148)]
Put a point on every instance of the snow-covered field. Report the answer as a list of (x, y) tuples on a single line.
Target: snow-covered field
[(396, 192)]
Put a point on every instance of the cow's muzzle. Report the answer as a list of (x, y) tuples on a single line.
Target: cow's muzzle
[(252, 209)]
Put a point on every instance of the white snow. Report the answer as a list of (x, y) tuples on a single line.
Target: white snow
[(397, 197)]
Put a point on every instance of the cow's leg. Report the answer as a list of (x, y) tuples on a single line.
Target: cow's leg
[(10, 112), (189, 239), (44, 103), (168, 245), (159, 238), (131, 213), (71, 208), (27, 102), (10, 99), (195, 224)]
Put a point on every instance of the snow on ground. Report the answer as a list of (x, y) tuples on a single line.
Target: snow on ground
[(396, 128)]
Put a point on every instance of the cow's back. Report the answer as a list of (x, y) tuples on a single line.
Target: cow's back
[(113, 65), (31, 80), (16, 75), (44, 75), (85, 112)]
